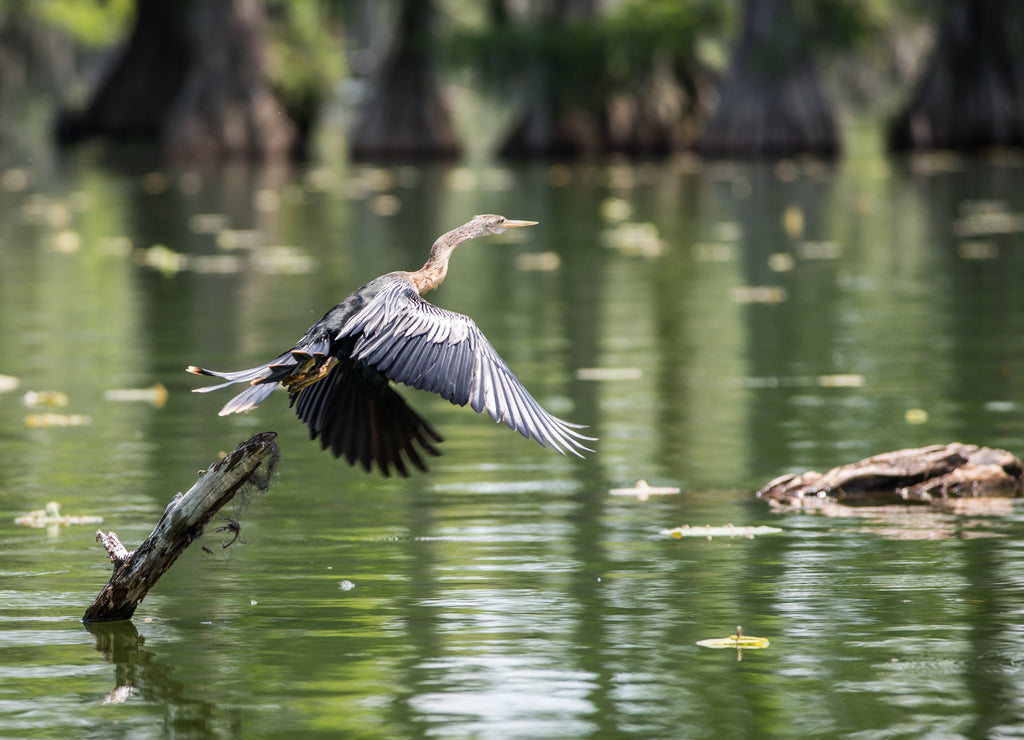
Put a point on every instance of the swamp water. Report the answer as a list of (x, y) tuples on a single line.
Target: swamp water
[(715, 325)]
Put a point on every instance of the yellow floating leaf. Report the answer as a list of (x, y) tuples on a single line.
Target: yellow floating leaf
[(916, 416), (732, 641), (736, 641), (793, 221), (53, 399), (156, 394), (43, 421)]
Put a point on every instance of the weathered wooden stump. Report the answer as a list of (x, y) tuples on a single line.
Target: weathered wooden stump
[(922, 475), (135, 573)]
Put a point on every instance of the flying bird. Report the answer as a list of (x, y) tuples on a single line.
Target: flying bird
[(339, 374)]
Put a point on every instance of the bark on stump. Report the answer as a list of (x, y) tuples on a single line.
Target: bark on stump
[(922, 475), (135, 573)]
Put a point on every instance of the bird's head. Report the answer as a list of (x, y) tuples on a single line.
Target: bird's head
[(493, 224)]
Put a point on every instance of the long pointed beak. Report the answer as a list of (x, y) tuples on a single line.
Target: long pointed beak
[(510, 223)]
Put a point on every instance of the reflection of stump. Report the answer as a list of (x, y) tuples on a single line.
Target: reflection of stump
[(183, 521), (920, 476)]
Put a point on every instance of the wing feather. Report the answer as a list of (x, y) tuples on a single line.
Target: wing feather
[(358, 416), (414, 342)]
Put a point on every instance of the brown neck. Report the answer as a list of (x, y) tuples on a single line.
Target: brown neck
[(433, 271), (428, 277), (435, 268)]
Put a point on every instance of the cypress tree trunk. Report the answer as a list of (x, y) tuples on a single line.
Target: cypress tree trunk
[(972, 94), (407, 117), (771, 102), (191, 81)]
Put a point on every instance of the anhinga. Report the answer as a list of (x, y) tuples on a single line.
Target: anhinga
[(338, 375)]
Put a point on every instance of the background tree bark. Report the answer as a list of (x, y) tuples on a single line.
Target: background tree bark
[(598, 85), (972, 94), (406, 116), (556, 121), (771, 102), (191, 80)]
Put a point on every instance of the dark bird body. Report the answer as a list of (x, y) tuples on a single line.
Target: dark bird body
[(338, 375)]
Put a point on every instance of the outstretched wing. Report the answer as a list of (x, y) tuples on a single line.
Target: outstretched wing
[(414, 342)]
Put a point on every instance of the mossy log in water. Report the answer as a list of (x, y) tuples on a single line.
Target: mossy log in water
[(136, 572), (923, 475)]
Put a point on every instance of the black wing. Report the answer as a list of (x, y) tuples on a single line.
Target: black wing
[(414, 342), (358, 416)]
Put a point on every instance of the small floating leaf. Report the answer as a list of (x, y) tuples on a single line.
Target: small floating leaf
[(609, 373), (916, 416), (759, 294), (43, 421), (641, 490), (51, 516), (725, 531), (738, 641), (156, 394), (33, 399)]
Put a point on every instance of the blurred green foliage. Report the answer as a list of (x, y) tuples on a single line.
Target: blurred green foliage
[(305, 54), (591, 56), (92, 23)]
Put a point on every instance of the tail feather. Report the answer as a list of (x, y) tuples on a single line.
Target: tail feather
[(350, 407), (248, 399), (262, 379)]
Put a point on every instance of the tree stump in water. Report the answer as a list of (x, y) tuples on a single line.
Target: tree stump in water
[(913, 476), (135, 573)]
